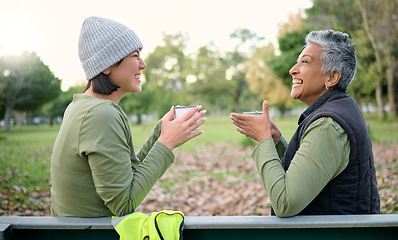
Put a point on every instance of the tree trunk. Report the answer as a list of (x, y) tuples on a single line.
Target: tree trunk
[(391, 74), (379, 100), (19, 118), (236, 103), (238, 93), (357, 96), (139, 119), (377, 51), (7, 119), (51, 120)]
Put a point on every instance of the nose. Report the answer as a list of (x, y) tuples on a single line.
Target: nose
[(294, 70), (142, 64)]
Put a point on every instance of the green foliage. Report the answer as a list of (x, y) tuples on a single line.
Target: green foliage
[(372, 25), (168, 70), (244, 37), (264, 83), (236, 62), (138, 104), (290, 46), (57, 107), (165, 75), (210, 88), (248, 142), (340, 15), (26, 84)]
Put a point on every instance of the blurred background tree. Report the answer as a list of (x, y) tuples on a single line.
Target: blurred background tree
[(209, 83), (57, 107), (26, 85), (374, 25), (264, 83)]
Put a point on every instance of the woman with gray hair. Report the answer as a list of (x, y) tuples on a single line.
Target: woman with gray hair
[(327, 167)]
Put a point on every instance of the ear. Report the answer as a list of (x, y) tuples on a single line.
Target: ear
[(333, 79), (107, 71)]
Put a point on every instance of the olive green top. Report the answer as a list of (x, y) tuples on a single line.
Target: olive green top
[(94, 169), (323, 154)]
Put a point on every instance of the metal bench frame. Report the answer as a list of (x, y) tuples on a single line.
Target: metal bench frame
[(213, 227)]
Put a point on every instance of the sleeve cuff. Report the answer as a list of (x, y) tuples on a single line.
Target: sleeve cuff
[(165, 151), (265, 150), (281, 146)]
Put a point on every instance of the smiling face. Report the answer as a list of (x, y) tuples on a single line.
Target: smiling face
[(308, 80), (127, 75)]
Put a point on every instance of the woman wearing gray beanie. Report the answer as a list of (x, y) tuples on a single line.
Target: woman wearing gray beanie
[(95, 171)]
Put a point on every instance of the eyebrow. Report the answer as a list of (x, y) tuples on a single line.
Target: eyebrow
[(307, 55)]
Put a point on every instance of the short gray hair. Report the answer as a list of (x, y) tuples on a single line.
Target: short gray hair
[(338, 55)]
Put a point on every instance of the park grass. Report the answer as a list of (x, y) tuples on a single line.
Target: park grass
[(25, 169), (28, 150), (216, 130), (25, 154), (382, 131), (221, 130)]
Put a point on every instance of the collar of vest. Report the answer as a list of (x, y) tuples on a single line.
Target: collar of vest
[(315, 105)]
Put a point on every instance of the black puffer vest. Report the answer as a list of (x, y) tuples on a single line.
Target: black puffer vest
[(353, 191)]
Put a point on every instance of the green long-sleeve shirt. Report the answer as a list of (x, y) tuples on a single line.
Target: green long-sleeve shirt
[(323, 154), (94, 169)]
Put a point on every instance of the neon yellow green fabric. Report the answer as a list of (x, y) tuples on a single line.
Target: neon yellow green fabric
[(163, 225)]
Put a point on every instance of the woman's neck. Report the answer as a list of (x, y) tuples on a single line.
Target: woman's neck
[(114, 96)]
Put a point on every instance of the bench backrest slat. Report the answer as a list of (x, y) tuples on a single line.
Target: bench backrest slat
[(211, 227)]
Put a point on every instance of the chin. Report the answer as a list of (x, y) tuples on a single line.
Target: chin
[(138, 90), (294, 95)]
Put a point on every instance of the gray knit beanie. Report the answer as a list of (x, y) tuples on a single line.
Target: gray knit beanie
[(104, 42)]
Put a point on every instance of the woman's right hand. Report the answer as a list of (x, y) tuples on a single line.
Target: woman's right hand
[(257, 127), (176, 132)]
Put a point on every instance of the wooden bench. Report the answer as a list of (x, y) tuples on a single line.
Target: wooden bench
[(383, 226)]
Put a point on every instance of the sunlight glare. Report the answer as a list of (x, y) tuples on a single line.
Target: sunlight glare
[(17, 35)]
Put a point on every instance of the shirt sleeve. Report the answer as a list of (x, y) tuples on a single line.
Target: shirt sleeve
[(323, 154), (281, 146), (105, 141), (144, 150)]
